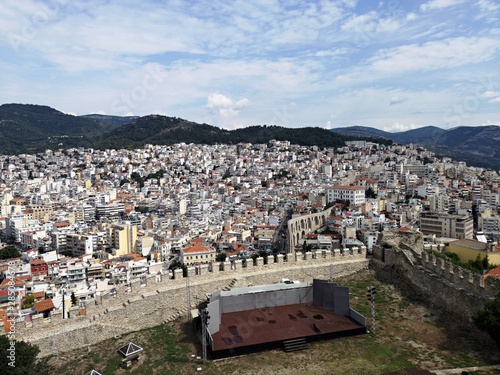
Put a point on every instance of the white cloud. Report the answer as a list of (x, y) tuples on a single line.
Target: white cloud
[(488, 5), (212, 59), (439, 4), (490, 94), (448, 53), (332, 53), (489, 122), (224, 106), (397, 100), (399, 127), (370, 22), (411, 16), (496, 100)]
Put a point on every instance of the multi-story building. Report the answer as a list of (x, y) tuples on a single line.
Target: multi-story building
[(111, 209), (39, 211), (76, 273), (489, 223), (446, 225), (354, 194), (123, 238), (80, 244), (197, 254)]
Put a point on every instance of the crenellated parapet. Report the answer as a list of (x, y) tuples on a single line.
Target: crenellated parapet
[(460, 277), (159, 298)]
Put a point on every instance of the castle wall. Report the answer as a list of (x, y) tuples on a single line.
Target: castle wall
[(163, 300), (440, 282)]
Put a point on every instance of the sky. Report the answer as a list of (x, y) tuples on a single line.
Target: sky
[(392, 65)]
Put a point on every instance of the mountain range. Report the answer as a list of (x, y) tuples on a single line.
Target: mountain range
[(476, 145), (27, 128)]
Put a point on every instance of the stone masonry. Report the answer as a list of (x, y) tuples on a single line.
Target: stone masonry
[(163, 299)]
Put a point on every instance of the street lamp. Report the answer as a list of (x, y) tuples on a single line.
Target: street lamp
[(370, 294)]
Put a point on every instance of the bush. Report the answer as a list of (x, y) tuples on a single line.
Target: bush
[(488, 318)]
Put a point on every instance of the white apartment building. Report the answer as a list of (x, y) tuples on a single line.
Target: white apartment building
[(354, 194)]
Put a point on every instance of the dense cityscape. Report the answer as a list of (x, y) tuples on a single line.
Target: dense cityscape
[(78, 223), (78, 215)]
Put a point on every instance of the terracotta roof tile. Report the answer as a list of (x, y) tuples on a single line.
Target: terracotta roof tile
[(44, 305)]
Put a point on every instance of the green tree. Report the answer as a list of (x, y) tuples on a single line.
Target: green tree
[(453, 256), (178, 264), (9, 251), (488, 318), (28, 302), (370, 193), (137, 178), (479, 264), (221, 257), (23, 360)]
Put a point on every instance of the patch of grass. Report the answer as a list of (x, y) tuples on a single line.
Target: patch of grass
[(112, 364)]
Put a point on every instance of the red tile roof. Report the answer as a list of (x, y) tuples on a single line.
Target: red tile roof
[(17, 280), (494, 272), (198, 249), (44, 305)]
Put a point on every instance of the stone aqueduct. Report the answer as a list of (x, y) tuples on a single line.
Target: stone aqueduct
[(300, 226)]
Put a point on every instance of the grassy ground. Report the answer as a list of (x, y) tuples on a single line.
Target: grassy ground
[(408, 334)]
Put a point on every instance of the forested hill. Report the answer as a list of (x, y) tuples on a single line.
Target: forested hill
[(155, 129), (26, 128)]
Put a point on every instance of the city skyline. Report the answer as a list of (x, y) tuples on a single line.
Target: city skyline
[(390, 65)]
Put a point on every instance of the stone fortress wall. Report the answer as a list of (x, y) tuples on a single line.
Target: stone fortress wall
[(164, 299), (399, 258)]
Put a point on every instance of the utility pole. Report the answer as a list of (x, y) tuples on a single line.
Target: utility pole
[(63, 303), (188, 298), (370, 294), (204, 321)]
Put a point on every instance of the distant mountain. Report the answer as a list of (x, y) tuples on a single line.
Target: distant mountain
[(156, 129), (362, 131), (476, 145), (426, 134), (26, 128), (111, 120)]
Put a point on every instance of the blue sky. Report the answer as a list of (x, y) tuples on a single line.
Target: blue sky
[(393, 65)]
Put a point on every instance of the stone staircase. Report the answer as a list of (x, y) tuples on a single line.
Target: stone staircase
[(230, 286)]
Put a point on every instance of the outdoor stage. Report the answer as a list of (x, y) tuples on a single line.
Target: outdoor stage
[(266, 328)]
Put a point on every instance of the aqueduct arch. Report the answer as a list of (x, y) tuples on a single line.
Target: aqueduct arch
[(305, 224)]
